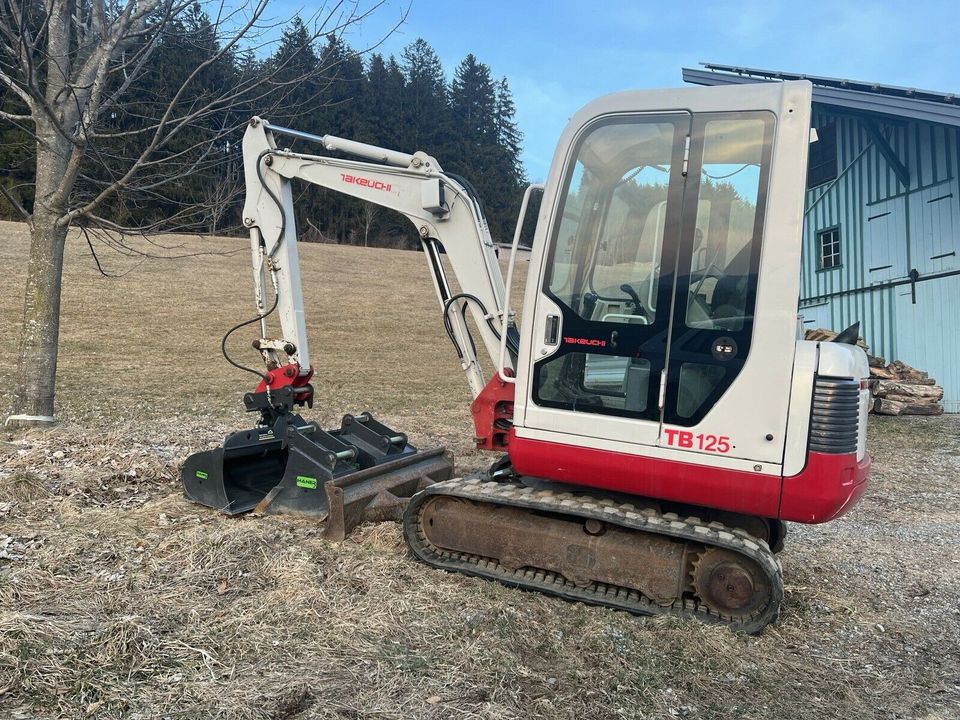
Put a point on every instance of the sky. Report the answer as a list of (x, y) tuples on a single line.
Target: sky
[(559, 55)]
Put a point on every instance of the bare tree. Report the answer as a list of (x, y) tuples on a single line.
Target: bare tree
[(72, 65), (368, 216), (221, 194)]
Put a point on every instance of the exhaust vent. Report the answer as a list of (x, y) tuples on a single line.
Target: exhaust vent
[(835, 418)]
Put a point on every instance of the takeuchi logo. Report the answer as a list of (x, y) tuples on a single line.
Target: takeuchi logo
[(366, 182), (585, 341)]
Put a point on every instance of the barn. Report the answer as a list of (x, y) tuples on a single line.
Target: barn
[(882, 223)]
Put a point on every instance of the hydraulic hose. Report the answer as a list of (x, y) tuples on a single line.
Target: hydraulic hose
[(276, 200), (511, 341), (270, 255), (258, 318)]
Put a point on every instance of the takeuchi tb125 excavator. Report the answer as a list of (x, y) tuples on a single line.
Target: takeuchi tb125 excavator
[(658, 415)]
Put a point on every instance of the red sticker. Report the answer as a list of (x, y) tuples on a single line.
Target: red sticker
[(687, 440)]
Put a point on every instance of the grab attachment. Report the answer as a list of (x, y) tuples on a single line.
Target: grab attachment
[(363, 471)]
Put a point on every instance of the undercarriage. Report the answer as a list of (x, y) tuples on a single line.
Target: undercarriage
[(598, 550)]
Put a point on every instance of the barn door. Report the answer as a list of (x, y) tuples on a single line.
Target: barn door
[(935, 228), (884, 241)]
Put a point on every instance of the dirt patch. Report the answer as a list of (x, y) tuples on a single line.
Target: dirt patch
[(119, 599)]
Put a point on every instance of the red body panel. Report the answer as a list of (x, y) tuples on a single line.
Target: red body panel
[(495, 402), (827, 487)]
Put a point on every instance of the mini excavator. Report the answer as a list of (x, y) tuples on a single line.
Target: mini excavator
[(658, 416)]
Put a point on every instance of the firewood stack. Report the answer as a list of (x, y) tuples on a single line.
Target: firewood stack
[(897, 388)]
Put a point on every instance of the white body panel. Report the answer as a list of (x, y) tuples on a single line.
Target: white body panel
[(842, 361), (801, 397)]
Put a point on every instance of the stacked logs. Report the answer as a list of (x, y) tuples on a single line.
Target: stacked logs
[(897, 388)]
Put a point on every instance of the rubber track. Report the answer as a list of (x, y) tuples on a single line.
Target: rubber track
[(625, 515)]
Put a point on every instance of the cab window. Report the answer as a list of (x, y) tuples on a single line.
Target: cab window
[(726, 224)]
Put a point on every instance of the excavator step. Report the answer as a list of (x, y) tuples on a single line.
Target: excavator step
[(362, 471), (595, 550)]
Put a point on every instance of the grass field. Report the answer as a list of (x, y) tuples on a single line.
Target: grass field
[(119, 599)]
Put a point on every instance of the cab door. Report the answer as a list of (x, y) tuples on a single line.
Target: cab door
[(668, 250), (608, 286), (715, 293)]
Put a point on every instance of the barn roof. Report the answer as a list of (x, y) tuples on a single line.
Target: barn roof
[(855, 95)]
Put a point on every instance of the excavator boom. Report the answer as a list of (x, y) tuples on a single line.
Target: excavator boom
[(438, 205)]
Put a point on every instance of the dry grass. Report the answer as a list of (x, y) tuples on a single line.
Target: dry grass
[(118, 599)]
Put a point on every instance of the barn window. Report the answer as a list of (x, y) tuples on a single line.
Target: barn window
[(829, 245), (822, 165)]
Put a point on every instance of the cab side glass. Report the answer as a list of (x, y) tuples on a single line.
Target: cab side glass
[(605, 267), (725, 224)]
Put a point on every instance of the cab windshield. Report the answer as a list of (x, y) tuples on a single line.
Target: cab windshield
[(610, 238)]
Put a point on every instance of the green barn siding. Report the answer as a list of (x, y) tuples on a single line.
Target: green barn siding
[(915, 230)]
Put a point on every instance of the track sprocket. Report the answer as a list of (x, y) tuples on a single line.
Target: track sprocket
[(728, 583)]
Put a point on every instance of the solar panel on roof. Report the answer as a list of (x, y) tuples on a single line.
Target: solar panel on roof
[(863, 86)]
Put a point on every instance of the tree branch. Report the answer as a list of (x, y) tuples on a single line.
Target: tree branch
[(13, 202), (11, 117), (158, 134), (10, 83)]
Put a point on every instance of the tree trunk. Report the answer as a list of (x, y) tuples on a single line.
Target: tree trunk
[(36, 379)]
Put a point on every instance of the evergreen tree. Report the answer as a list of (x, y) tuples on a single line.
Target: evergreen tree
[(338, 113), (509, 143), (343, 76), (509, 137), (382, 103), (295, 59), (487, 143), (427, 108), (473, 104)]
